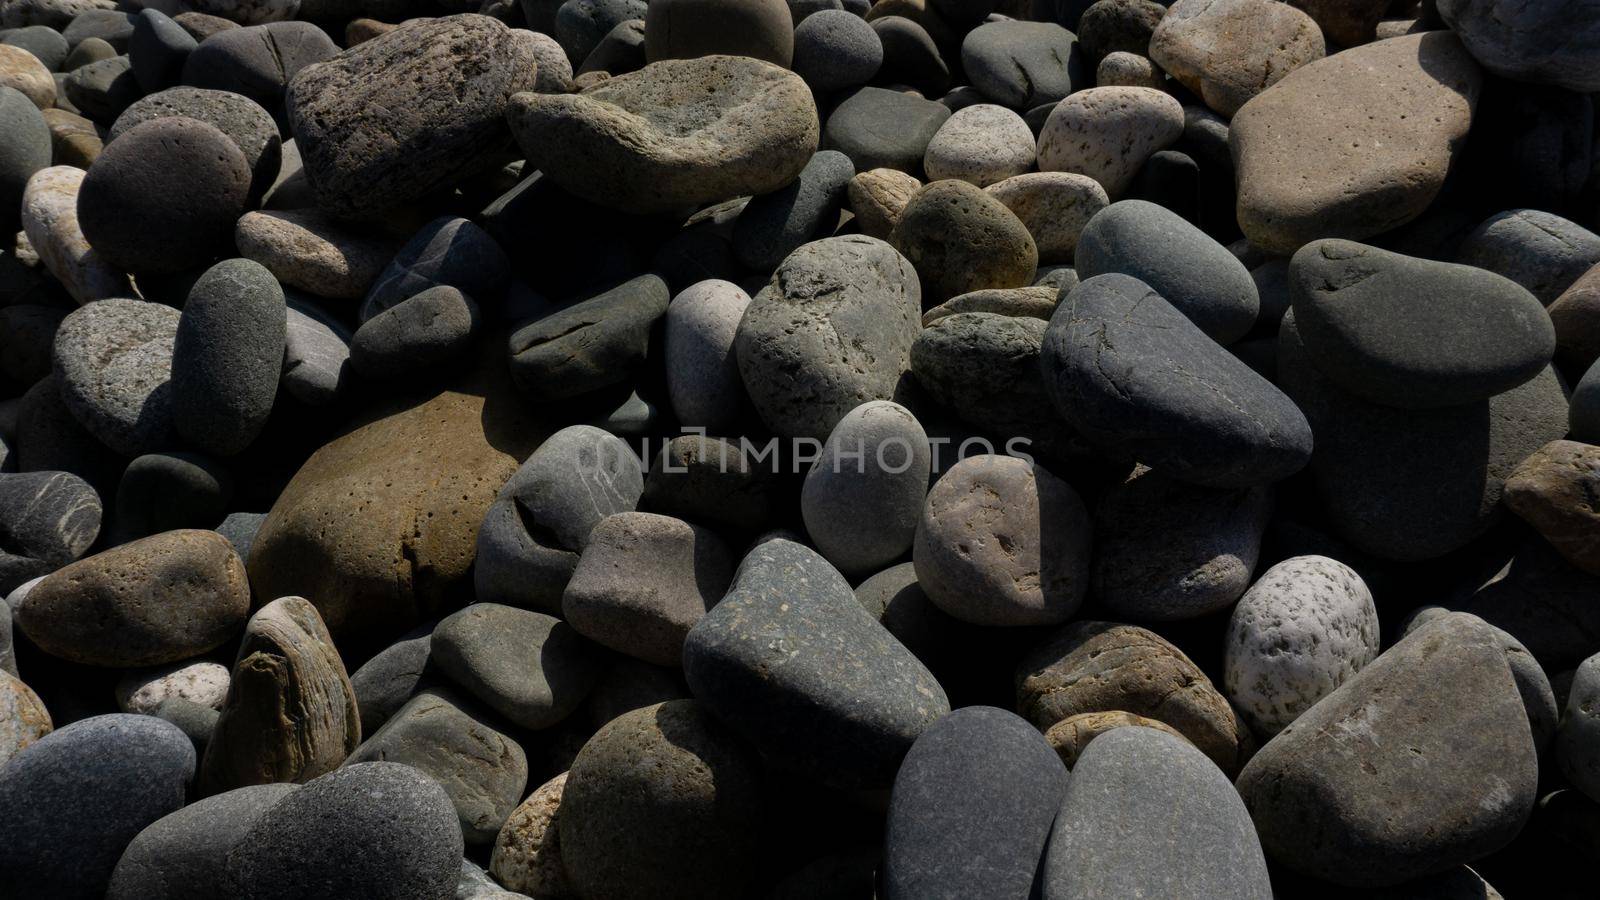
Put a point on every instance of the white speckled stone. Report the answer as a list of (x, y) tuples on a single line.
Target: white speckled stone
[(1108, 133), (1302, 629), (205, 683), (702, 372), (981, 144), (1123, 69)]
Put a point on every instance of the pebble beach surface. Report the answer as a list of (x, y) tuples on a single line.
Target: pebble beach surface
[(799, 449)]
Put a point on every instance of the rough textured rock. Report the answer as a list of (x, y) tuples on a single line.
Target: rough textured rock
[(1348, 23), (291, 713), (527, 852), (531, 668), (310, 250), (1332, 799), (980, 144), (250, 127), (832, 330), (1072, 735), (675, 134), (1179, 826), (1314, 160), (408, 112), (205, 683), (1101, 667), (849, 700), (184, 855), (878, 197), (1108, 133), (114, 360), (23, 718), (1304, 628), (1554, 490), (1228, 51), (834, 49), (156, 600), (1053, 206), (961, 239)]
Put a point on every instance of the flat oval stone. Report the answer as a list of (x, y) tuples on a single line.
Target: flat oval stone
[(531, 668), (832, 330), (1135, 376), (23, 718), (24, 146), (1228, 51), (527, 852), (772, 226), (205, 683), (250, 127), (1101, 666), (702, 368), (1529, 42), (884, 129), (1419, 762), (1315, 160), (1023, 64), (1179, 827), (675, 134), (409, 112), (375, 828), (184, 855), (258, 61), (153, 601), (590, 345), (862, 497), (316, 355), (835, 49), (663, 802), (1107, 133), (1167, 551), (165, 196), (422, 332), (291, 713), (482, 770), (1415, 333), (961, 239), (448, 250), (1053, 206), (1539, 250), (1304, 628), (1579, 736), (1037, 301), (114, 362), (643, 581), (310, 250), (227, 356), (1180, 262), (981, 543), (79, 795), (47, 519), (848, 701), (971, 808)]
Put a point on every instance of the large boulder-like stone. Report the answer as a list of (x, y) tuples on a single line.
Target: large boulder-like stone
[(1543, 43), (1228, 51)]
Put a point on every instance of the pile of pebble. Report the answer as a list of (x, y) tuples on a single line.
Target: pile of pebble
[(615, 449)]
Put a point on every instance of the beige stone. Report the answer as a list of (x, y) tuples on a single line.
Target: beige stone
[(1557, 491), (527, 854), (878, 197), (23, 718), (50, 219), (1107, 133), (310, 250), (1228, 51), (22, 70), (1054, 207)]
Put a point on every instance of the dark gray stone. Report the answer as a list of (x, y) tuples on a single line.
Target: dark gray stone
[(113, 361), (590, 345), (621, 51), (884, 129), (1112, 26), (1418, 763), (184, 855), (1530, 41), (27, 333), (24, 147), (1146, 814), (483, 771), (47, 519), (316, 354), (1024, 64), (113, 26), (45, 43), (450, 251), (157, 50), (684, 29), (371, 830), (1539, 250), (1136, 377), (243, 120), (971, 808), (1180, 262), (863, 496), (258, 61), (708, 479), (196, 720), (415, 335), (102, 89), (531, 668), (835, 49), (79, 795), (848, 701), (1544, 602), (392, 676), (1414, 333), (910, 56), (166, 491), (1415, 484), (228, 356), (580, 25), (240, 529), (774, 225)]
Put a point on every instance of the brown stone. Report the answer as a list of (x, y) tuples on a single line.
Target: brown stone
[(1557, 491), (878, 197), (23, 718), (74, 141), (1576, 316), (1102, 666), (1069, 737), (1347, 23), (161, 599), (1228, 51), (962, 239), (527, 854), (291, 712)]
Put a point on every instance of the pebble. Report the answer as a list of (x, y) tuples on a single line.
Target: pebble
[(702, 369), (834, 50), (1551, 490), (832, 330), (1053, 206), (1304, 628), (643, 581), (1133, 384), (1129, 70), (103, 89), (1415, 333), (1528, 43), (1348, 23), (50, 221), (589, 345), (290, 714), (1537, 597), (862, 497), (1118, 26), (157, 600), (1168, 551), (23, 718), (751, 129), (685, 29), (1228, 51), (531, 668), (392, 676), (1462, 789), (74, 140), (708, 479), (1022, 65), (883, 129), (164, 195), (849, 700), (316, 355), (79, 795), (1579, 736), (157, 50), (227, 356), (184, 855), (980, 144), (426, 330), (45, 43), (448, 250), (1194, 273), (482, 770), (25, 144), (23, 72), (1314, 161), (878, 197), (49, 519), (1539, 250), (1181, 828), (377, 828), (1072, 735), (579, 25), (258, 61), (205, 683), (1090, 666), (527, 852), (772, 226), (962, 239), (981, 543), (312, 251), (1037, 301), (662, 802), (1584, 416), (1576, 317), (971, 808), (910, 55), (1107, 133)]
